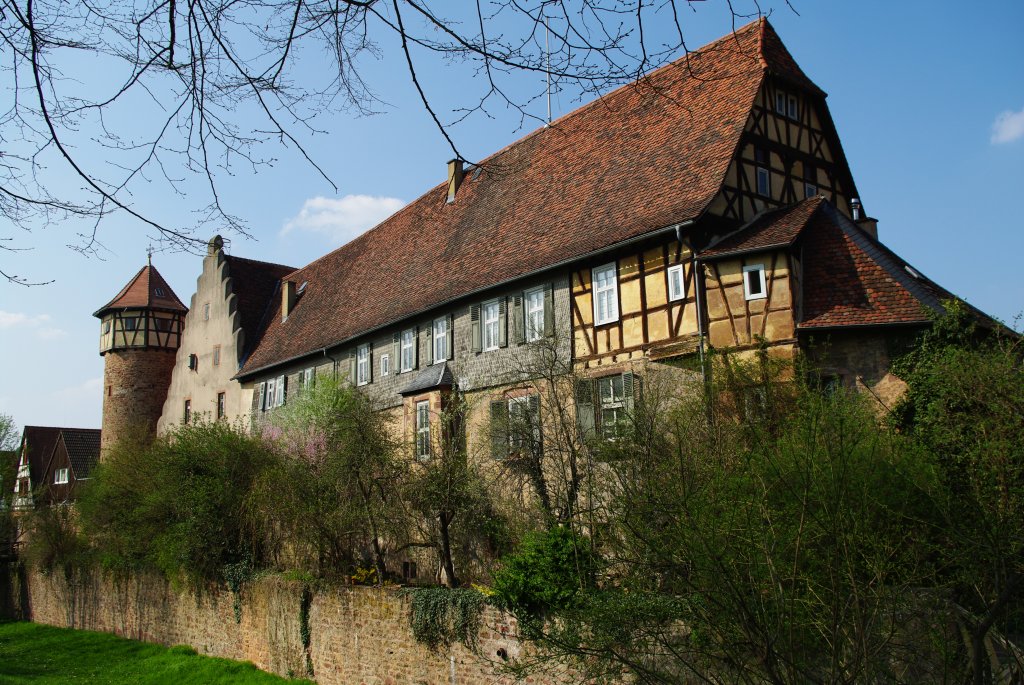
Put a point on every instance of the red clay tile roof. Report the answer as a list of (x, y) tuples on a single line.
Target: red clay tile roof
[(142, 291), (774, 229), (857, 281), (641, 158), (254, 284)]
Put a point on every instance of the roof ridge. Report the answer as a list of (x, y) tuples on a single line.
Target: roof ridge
[(259, 261), (579, 111)]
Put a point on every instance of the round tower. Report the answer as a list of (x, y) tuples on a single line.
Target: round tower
[(140, 331)]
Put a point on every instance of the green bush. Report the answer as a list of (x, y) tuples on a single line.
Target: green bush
[(549, 572)]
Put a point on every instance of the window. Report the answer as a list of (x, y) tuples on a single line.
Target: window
[(216, 355), (780, 102), (187, 416), (515, 426), (534, 314), (221, 405), (206, 312), (280, 388), (408, 360), (492, 330), (106, 326), (385, 365), (307, 378), (442, 342), (606, 294), (604, 404), (159, 292), (60, 476), (763, 176), (130, 323), (363, 365), (810, 181), (612, 405), (753, 282), (792, 107), (423, 430), (163, 323), (676, 288), (409, 570)]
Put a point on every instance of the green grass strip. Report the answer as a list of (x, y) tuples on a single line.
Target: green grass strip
[(38, 654)]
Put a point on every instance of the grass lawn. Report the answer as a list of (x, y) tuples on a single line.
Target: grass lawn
[(37, 654)]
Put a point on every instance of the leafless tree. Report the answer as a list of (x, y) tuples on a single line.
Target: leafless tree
[(105, 96)]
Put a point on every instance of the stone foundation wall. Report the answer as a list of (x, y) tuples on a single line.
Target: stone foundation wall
[(357, 635)]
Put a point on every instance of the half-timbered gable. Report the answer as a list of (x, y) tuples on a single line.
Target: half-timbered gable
[(72, 460)]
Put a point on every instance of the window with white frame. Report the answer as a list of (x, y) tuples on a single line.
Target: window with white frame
[(754, 287), (280, 388), (363, 365), (268, 395), (307, 378), (441, 339), (385, 365), (780, 102), (611, 405), (606, 294), (676, 288), (60, 476), (534, 313), (423, 429), (408, 345), (792, 107), (492, 332)]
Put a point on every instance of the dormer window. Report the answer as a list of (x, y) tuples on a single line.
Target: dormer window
[(159, 292), (754, 287), (787, 105)]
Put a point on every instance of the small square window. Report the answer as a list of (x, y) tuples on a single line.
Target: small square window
[(159, 292), (385, 365), (810, 190), (60, 476), (754, 282), (130, 323), (676, 286)]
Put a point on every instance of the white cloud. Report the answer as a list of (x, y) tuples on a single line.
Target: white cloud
[(88, 391), (1008, 127), (342, 219), (35, 323)]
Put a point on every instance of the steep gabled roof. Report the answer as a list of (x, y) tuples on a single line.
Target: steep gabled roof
[(83, 447), (771, 230), (39, 441), (147, 289), (254, 284), (644, 157)]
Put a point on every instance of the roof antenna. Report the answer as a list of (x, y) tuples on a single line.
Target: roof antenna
[(547, 57)]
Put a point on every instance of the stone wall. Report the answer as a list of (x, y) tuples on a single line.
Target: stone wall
[(357, 634), (134, 387)]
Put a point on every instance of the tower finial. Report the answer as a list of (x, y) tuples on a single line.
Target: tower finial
[(149, 255)]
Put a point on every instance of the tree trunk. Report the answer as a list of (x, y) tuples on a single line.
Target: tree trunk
[(445, 520)]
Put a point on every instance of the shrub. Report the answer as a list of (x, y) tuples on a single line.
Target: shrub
[(547, 573)]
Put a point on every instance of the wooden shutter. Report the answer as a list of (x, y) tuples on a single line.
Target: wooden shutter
[(416, 347), (630, 388), (518, 324), (430, 343), (476, 329), (396, 353), (449, 344), (535, 426), (502, 322), (369, 362), (549, 311), (585, 408), (499, 429)]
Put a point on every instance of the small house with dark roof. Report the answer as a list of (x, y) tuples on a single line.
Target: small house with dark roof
[(232, 297), (34, 452), (75, 454)]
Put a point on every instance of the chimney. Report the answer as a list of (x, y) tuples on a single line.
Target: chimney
[(869, 226), (287, 299), (454, 178)]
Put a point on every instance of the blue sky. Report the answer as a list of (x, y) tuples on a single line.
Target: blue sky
[(928, 99)]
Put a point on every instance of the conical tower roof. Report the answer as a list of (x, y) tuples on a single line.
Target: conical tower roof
[(147, 290)]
